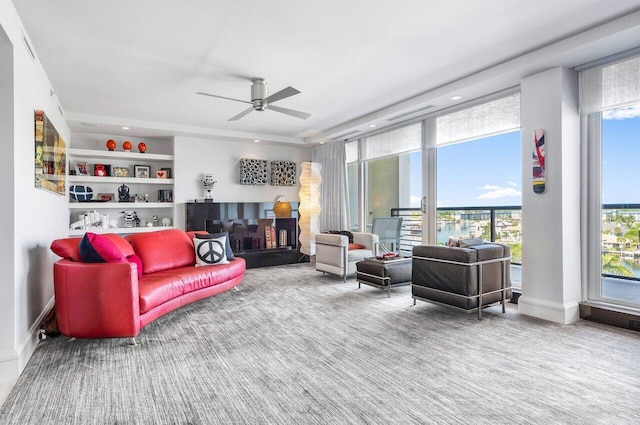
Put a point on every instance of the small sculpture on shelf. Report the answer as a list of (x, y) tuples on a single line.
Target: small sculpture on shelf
[(111, 145), (123, 193), (208, 182), (131, 219), (142, 147), (126, 146)]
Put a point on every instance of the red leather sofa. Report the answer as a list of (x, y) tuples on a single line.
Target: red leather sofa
[(102, 300)]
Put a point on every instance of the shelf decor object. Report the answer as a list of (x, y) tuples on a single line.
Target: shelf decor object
[(111, 145), (309, 209), (142, 171), (126, 146), (208, 182), (283, 173), (50, 156), (253, 171), (142, 147), (281, 208), (119, 187)]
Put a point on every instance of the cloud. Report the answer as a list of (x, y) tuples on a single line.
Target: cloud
[(414, 201), (512, 184), (499, 192), (622, 113), (489, 187)]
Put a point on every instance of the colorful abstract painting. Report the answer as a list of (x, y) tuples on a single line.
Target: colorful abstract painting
[(539, 163), (50, 156)]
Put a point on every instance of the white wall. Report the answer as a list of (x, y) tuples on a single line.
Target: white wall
[(32, 217), (194, 157), (551, 272)]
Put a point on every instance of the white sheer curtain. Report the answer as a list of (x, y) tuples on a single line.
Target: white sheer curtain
[(334, 198), (614, 85)]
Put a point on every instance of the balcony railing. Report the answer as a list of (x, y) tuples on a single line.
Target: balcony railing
[(499, 223)]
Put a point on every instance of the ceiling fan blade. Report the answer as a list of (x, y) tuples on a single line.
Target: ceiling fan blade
[(284, 93), (297, 114), (222, 97), (241, 114)]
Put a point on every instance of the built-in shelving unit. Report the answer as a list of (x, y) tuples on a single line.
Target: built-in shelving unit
[(90, 149)]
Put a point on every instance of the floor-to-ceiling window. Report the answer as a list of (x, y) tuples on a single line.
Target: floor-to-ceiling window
[(478, 173), (353, 181), (611, 109), (385, 179), (479, 180)]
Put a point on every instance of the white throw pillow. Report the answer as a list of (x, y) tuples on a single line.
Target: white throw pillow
[(210, 252)]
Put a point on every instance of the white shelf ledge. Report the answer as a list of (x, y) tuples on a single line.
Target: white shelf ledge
[(118, 205), (131, 180), (119, 230), (92, 153)]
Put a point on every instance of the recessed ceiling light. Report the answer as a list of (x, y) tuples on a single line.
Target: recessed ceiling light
[(125, 128), (322, 143), (256, 141), (456, 97), (372, 125)]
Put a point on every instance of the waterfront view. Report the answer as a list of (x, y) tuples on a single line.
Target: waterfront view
[(620, 245)]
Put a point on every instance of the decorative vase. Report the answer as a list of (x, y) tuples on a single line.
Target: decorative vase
[(126, 146), (111, 145), (282, 209), (142, 147)]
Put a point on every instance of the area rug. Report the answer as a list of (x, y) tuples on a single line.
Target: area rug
[(292, 346)]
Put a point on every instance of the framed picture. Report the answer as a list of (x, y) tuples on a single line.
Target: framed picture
[(50, 156), (120, 172), (102, 170), (82, 168), (106, 197), (142, 171), (168, 172)]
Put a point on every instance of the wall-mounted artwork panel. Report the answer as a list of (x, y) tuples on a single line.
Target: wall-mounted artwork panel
[(253, 171), (50, 156), (283, 173)]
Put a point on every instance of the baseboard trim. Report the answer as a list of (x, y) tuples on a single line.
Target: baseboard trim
[(13, 362), (554, 312), (610, 317)]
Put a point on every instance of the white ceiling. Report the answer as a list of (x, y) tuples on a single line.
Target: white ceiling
[(356, 62)]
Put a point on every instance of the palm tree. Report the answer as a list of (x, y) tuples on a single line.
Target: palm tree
[(611, 265)]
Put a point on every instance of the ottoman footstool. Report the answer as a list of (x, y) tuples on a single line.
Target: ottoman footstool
[(384, 274)]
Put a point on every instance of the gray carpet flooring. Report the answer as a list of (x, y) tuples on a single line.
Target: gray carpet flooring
[(294, 347)]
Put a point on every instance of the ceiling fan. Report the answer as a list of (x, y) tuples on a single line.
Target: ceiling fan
[(261, 100)]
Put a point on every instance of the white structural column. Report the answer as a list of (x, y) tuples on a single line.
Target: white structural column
[(551, 272), (309, 208)]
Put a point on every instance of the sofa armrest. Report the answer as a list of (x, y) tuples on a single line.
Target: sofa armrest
[(97, 300), (331, 239), (369, 240)]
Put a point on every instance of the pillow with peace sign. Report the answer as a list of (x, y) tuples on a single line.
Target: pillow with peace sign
[(210, 252)]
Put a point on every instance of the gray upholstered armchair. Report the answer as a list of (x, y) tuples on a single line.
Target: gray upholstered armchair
[(333, 253), (465, 278)]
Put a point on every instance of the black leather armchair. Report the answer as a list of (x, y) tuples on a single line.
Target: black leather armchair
[(462, 277)]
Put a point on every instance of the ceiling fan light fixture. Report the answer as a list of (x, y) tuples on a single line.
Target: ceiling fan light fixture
[(260, 99)]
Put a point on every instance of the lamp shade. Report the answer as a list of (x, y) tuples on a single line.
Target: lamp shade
[(309, 209)]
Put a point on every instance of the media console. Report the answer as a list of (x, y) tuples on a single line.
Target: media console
[(246, 223)]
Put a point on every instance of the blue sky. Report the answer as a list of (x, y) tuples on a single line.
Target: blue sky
[(487, 172), (621, 156), (484, 172)]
